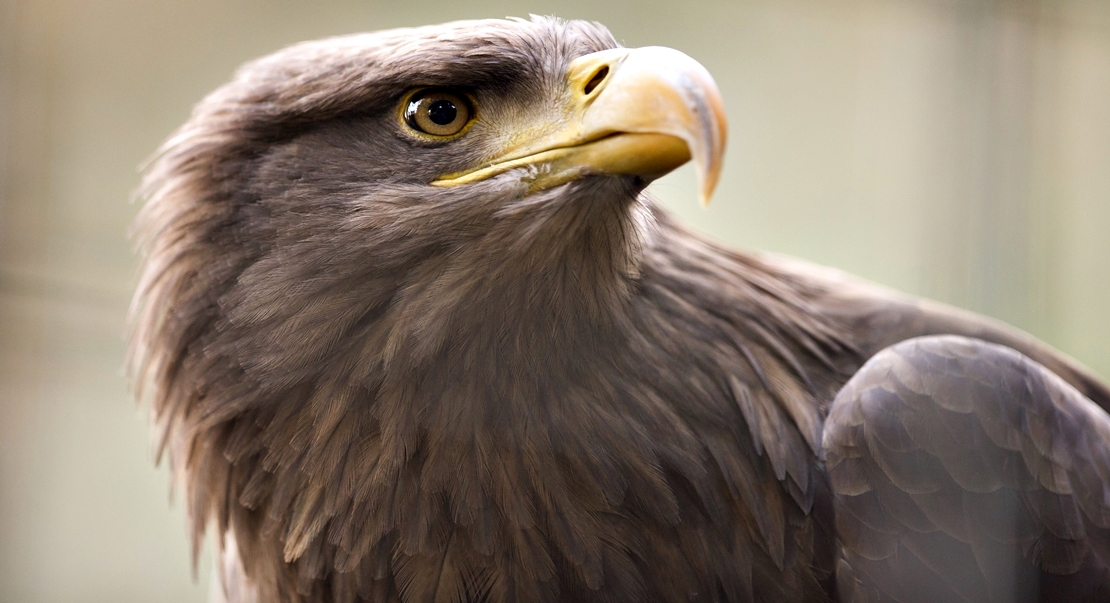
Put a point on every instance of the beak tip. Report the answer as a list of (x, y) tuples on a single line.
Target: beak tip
[(708, 178), (705, 195)]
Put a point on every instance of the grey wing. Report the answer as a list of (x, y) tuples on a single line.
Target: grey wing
[(964, 471)]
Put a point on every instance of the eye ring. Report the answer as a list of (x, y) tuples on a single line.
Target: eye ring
[(439, 113)]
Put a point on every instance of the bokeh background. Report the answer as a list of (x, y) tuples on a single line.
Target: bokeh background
[(957, 149)]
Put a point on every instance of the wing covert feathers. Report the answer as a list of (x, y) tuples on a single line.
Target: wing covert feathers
[(964, 471)]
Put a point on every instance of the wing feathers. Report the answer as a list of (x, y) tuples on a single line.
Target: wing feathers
[(985, 468)]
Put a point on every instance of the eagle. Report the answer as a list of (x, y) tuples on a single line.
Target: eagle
[(412, 331)]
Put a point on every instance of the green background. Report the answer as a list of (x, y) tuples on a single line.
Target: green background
[(954, 149)]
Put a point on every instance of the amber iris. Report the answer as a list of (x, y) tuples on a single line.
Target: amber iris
[(438, 112)]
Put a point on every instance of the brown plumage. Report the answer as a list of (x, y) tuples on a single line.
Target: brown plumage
[(379, 389)]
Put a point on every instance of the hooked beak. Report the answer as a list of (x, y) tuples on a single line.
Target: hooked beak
[(640, 112)]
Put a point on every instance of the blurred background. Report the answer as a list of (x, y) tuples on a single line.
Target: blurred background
[(956, 149)]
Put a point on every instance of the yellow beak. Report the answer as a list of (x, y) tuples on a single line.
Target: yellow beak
[(640, 112)]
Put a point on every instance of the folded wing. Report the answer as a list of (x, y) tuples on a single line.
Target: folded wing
[(964, 471)]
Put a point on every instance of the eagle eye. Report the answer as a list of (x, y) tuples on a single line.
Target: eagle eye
[(438, 112)]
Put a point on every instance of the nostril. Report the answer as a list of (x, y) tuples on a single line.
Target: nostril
[(596, 80)]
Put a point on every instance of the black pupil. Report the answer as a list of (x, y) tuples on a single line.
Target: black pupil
[(442, 112)]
